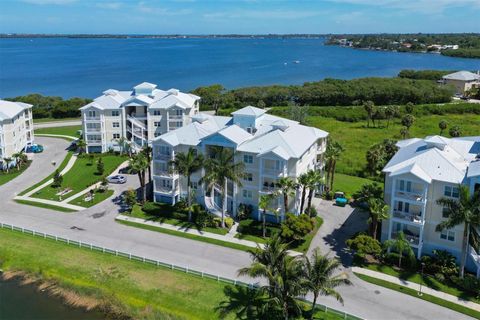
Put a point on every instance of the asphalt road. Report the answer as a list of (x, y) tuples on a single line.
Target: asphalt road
[(52, 124), (96, 225)]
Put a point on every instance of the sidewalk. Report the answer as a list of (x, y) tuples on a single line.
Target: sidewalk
[(56, 136), (416, 286)]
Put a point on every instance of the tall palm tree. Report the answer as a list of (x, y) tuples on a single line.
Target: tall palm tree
[(187, 164), (264, 205), (332, 154), (246, 303), (378, 211), (122, 142), (221, 168), (314, 179), (81, 145), (7, 161), (286, 187), (400, 245), (464, 210), (20, 158), (321, 278), (147, 151), (139, 163), (303, 182), (282, 272)]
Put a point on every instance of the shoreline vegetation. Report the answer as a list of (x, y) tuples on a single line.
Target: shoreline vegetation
[(461, 45)]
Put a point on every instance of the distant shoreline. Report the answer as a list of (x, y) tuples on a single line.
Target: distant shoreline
[(164, 36)]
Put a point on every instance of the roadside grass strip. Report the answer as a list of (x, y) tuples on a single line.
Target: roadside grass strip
[(424, 296), (71, 131), (136, 286), (44, 205), (13, 173)]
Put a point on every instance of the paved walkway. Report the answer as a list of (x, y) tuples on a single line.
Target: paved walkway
[(56, 136), (416, 287)]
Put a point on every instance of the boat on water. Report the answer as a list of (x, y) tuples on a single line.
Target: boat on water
[(296, 61)]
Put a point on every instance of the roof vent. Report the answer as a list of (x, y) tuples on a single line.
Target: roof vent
[(174, 91)]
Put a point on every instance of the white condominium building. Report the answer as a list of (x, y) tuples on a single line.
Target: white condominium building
[(270, 147), (16, 127), (137, 116), (420, 173)]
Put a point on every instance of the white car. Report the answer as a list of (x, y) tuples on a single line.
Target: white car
[(118, 179)]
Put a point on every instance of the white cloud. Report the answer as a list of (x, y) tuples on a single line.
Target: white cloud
[(262, 14), (49, 2), (109, 5), (147, 8)]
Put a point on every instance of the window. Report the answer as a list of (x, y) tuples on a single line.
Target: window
[(116, 136), (194, 185), (247, 158), (444, 212), (447, 235), (178, 123), (91, 113), (178, 112), (115, 113), (451, 192), (247, 194), (249, 129), (156, 112), (116, 124), (156, 124), (405, 186), (156, 134), (248, 177)]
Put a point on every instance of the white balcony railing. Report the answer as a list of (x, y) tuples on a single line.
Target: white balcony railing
[(272, 171), (162, 156), (175, 117), (94, 141), (412, 196), (413, 217), (92, 118), (413, 239)]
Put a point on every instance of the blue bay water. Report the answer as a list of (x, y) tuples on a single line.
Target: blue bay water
[(86, 67)]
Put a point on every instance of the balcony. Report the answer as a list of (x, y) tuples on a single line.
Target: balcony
[(175, 117), (96, 129), (412, 238), (96, 118), (160, 189), (94, 141), (137, 121), (411, 217), (417, 196), (272, 171), (269, 187), (163, 156)]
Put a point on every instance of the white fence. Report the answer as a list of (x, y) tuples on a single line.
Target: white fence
[(158, 263)]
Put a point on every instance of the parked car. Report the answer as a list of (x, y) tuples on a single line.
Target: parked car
[(340, 199), (34, 148), (118, 179)]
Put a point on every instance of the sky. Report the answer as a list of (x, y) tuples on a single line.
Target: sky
[(238, 16)]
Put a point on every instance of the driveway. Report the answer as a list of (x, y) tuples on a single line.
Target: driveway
[(52, 124), (97, 225)]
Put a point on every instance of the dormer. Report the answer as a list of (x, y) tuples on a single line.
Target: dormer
[(246, 118), (279, 125), (145, 88), (200, 118), (173, 91), (438, 142), (110, 92)]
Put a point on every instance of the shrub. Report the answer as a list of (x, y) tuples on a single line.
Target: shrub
[(201, 217), (228, 222), (254, 227), (244, 211), (469, 283), (364, 244), (442, 262), (296, 227), (312, 212), (392, 259)]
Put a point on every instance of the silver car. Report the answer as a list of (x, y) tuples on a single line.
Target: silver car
[(118, 179)]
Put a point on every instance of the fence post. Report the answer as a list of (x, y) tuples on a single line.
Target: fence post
[(143, 259), (91, 246), (79, 244), (202, 274), (56, 238), (130, 256), (186, 269), (68, 241), (158, 263), (23, 230), (103, 249), (172, 266), (33, 231), (218, 278), (116, 252)]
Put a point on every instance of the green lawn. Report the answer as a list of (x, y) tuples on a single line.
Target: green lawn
[(40, 120), (426, 297), (82, 175), (44, 205), (68, 131), (356, 138), (13, 173), (349, 184), (164, 213), (134, 289), (99, 197), (427, 280), (60, 168)]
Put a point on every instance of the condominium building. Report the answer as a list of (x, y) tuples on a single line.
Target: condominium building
[(16, 127), (462, 81), (420, 173), (138, 116), (270, 147)]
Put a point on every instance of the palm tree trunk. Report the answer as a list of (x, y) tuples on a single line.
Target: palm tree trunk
[(189, 200), (303, 199), (332, 175), (463, 259), (225, 200), (374, 228), (309, 205), (400, 259), (285, 203), (314, 303), (264, 223)]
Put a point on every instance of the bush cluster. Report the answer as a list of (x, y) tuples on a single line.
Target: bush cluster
[(294, 227), (254, 227)]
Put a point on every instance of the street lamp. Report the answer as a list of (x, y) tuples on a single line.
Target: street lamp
[(420, 291)]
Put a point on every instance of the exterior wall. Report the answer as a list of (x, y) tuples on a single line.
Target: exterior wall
[(461, 86), (16, 134)]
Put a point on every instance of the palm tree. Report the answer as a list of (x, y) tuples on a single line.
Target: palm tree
[(332, 154), (220, 169), (7, 161), (122, 141), (314, 179), (442, 125), (390, 111), (464, 210), (401, 245), (284, 275), (286, 187), (404, 132), (139, 164), (147, 151), (303, 182), (369, 108), (319, 272), (264, 205), (20, 158), (378, 211), (81, 145), (187, 164), (455, 132), (407, 121), (246, 303)]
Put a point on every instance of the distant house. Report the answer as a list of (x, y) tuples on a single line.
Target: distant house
[(462, 81)]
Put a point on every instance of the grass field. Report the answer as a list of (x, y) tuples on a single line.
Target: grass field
[(13, 173), (82, 175), (356, 138), (349, 184), (67, 131), (426, 297), (44, 205), (41, 120), (99, 197), (425, 280)]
